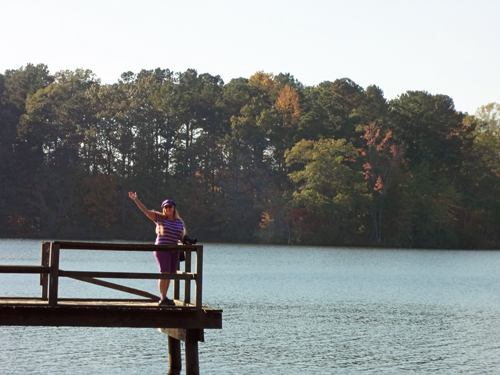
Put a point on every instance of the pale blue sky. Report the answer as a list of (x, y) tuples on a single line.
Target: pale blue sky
[(441, 46)]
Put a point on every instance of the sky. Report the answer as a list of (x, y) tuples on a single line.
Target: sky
[(439, 46)]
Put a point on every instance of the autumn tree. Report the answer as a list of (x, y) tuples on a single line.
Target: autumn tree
[(382, 157), (490, 116), (283, 131)]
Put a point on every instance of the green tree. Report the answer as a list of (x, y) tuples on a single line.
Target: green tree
[(52, 128), (429, 210), (22, 82), (18, 160), (433, 131), (329, 186), (480, 183), (247, 151), (100, 200), (330, 111), (372, 108), (202, 182), (58, 114)]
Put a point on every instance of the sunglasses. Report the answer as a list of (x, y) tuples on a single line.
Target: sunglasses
[(168, 206)]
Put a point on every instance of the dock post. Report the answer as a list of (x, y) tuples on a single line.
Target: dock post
[(175, 290), (199, 278), (192, 359), (187, 283), (54, 273), (174, 353), (44, 278)]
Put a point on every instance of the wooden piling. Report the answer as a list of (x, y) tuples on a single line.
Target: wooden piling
[(174, 353), (190, 337), (192, 359)]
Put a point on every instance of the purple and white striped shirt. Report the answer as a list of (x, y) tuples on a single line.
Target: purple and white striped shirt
[(168, 231)]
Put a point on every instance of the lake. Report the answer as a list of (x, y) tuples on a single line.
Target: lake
[(286, 310)]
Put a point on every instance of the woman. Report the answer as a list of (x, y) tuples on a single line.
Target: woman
[(169, 229)]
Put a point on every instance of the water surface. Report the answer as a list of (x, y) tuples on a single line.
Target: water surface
[(287, 310)]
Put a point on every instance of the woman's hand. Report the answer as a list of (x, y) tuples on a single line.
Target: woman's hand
[(132, 196)]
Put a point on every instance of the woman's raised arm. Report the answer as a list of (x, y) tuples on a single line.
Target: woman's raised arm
[(149, 213)]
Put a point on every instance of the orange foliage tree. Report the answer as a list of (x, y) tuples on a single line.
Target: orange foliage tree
[(378, 169), (263, 80)]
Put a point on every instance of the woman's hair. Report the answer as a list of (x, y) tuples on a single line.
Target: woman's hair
[(176, 217)]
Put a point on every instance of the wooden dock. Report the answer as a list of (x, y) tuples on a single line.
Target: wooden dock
[(183, 322)]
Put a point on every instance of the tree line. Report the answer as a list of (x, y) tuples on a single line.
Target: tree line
[(260, 159)]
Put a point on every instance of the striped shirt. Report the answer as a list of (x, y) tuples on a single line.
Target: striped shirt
[(168, 231)]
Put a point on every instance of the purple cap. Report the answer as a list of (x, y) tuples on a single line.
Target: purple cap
[(168, 201)]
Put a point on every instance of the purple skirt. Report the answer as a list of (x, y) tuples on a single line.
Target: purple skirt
[(167, 261)]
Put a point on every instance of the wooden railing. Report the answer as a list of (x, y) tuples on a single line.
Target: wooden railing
[(50, 272)]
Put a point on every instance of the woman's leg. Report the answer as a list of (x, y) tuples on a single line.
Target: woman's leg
[(163, 285)]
